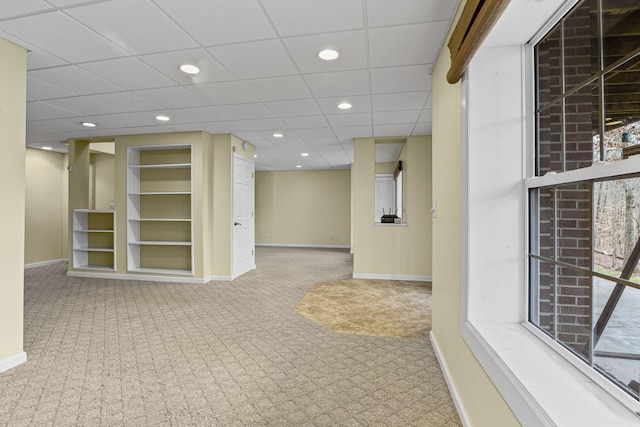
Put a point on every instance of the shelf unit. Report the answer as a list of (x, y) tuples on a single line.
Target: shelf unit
[(93, 240), (159, 209)]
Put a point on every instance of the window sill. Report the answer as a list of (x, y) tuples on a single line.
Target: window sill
[(390, 224), (540, 386)]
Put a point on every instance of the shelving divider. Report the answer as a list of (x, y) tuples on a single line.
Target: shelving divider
[(160, 209)]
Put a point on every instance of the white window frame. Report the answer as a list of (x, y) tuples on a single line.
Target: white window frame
[(498, 117)]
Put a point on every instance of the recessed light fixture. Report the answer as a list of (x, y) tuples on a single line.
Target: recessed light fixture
[(163, 118), (298, 166), (344, 106), (189, 69), (255, 155), (47, 148), (304, 154), (278, 135), (328, 54), (88, 124)]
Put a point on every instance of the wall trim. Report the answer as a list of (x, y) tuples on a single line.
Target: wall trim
[(175, 279), (464, 417), (13, 361), (44, 263), (218, 279), (392, 277), (303, 245)]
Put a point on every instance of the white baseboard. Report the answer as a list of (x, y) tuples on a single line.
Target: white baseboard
[(218, 279), (43, 263), (300, 245), (392, 277), (464, 418), (13, 361), (98, 275)]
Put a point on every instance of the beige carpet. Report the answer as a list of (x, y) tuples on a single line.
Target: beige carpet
[(131, 353), (371, 307)]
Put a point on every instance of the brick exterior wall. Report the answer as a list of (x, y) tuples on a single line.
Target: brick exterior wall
[(566, 236)]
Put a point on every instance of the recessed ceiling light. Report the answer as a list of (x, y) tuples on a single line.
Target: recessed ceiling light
[(88, 124), (46, 148), (278, 135), (344, 106), (163, 118), (298, 166), (189, 69), (255, 155), (328, 54), (305, 154)]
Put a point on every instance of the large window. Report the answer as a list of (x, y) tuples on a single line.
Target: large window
[(584, 199)]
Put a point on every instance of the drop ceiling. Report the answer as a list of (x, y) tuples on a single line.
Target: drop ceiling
[(115, 63)]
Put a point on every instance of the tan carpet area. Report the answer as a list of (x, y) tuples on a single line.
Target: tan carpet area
[(371, 307), (131, 353)]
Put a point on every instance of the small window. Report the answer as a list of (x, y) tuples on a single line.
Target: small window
[(585, 222)]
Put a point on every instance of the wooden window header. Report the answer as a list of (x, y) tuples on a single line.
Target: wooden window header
[(475, 23)]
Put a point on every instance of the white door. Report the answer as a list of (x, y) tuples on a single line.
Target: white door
[(243, 220)]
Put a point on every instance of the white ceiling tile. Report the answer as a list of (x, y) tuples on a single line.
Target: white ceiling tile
[(357, 119), (223, 93), (392, 130), (328, 149), (425, 116), (385, 12), (38, 58), (39, 90), (396, 117), (61, 36), (401, 79), (305, 122), (423, 129), (129, 120), (130, 73), (75, 79), (172, 97), (353, 131), (39, 108), (359, 104), (168, 62), (324, 132), (278, 88), (399, 101), (124, 101), (255, 110), (301, 107), (350, 45), (48, 126), (293, 18), (142, 29), (272, 124), (322, 140), (81, 106), (342, 83), (221, 21), (22, 7), (266, 58), (204, 114), (384, 42)]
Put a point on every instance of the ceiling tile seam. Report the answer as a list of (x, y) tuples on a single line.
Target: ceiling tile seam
[(365, 17)]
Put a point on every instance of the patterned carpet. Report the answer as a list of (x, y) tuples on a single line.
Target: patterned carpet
[(109, 353)]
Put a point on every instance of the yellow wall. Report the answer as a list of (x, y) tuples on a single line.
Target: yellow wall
[(482, 403), (44, 206), (103, 179), (13, 96), (398, 250), (303, 208)]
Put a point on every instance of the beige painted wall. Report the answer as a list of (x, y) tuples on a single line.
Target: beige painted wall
[(44, 206), (303, 208), (13, 96), (399, 250), (102, 180), (482, 403)]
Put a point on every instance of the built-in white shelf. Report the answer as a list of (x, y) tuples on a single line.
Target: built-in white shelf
[(160, 209), (93, 240)]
